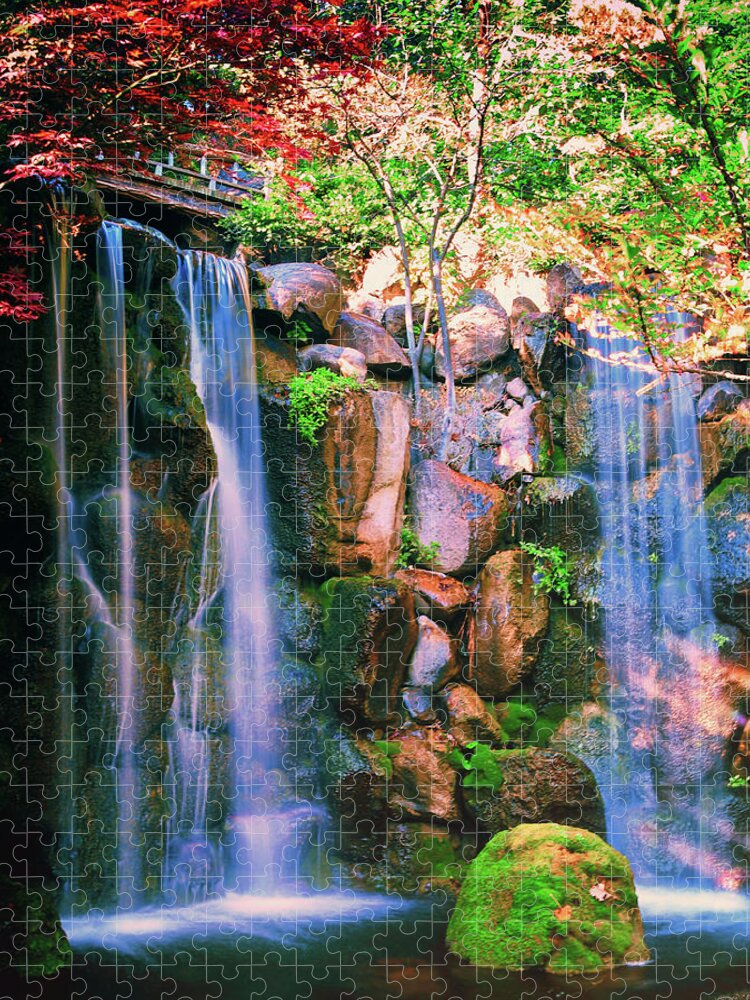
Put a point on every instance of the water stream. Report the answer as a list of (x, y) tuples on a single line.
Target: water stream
[(663, 781)]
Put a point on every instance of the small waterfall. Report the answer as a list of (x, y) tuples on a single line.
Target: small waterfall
[(214, 295), (110, 266), (669, 713)]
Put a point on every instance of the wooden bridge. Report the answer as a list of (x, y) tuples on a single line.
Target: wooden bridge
[(211, 190)]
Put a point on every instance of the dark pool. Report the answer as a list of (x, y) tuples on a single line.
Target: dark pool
[(376, 947)]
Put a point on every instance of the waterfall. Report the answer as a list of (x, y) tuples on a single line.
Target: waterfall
[(110, 266), (669, 715), (214, 295)]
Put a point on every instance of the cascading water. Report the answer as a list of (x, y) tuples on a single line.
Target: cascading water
[(669, 716), (214, 295), (110, 266)]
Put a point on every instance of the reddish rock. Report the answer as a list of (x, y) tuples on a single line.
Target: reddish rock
[(310, 288), (441, 597), (479, 336), (381, 352), (468, 718)]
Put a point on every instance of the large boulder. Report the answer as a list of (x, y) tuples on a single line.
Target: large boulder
[(468, 719), (435, 658), (536, 786), (441, 597), (342, 360), (563, 281), (369, 632), (464, 517), (394, 321), (511, 621), (525, 439), (562, 511), (535, 340), (337, 509), (718, 401), (308, 292), (423, 783), (549, 897), (381, 352), (479, 337)]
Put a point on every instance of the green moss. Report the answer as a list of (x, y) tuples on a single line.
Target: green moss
[(526, 902), (387, 750), (724, 491), (311, 396)]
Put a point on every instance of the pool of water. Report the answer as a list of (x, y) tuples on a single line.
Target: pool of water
[(375, 947)]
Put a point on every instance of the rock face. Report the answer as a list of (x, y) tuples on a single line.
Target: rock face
[(369, 631), (534, 339), (342, 360), (479, 336), (384, 275), (538, 786), (718, 401), (394, 321), (524, 444), (423, 782), (725, 445), (309, 290), (468, 718), (381, 352), (441, 597), (511, 621), (563, 281), (727, 511), (337, 509), (549, 897), (464, 517), (435, 658)]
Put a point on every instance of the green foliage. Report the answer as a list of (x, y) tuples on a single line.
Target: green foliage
[(413, 553), (739, 781), (310, 397), (299, 332), (721, 641), (551, 570), (387, 749), (481, 769)]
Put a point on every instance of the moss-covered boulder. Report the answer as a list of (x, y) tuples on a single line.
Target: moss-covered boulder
[(727, 511), (548, 897)]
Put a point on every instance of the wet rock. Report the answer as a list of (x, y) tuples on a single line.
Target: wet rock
[(308, 291), (479, 336), (538, 786), (511, 621), (543, 896), (338, 508), (276, 359), (568, 670), (440, 596), (562, 511), (381, 352), (718, 401), (727, 511), (435, 658), (469, 720), (342, 360), (725, 445), (420, 704), (563, 281), (418, 858), (369, 632), (534, 337), (424, 785), (580, 432), (464, 517)]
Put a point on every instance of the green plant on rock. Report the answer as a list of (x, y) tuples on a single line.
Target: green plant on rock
[(551, 571), (413, 553), (311, 395), (721, 641), (299, 332), (739, 781), (481, 769)]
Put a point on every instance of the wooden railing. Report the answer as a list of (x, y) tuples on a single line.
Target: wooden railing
[(216, 185)]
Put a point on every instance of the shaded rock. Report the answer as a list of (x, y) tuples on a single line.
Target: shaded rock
[(369, 632), (537, 786), (727, 511), (464, 517), (342, 360), (580, 430), (511, 621), (563, 281), (276, 359), (560, 510), (718, 401), (310, 290), (478, 297), (568, 670), (382, 354), (338, 508), (725, 444), (441, 597), (394, 321), (423, 784), (479, 337), (435, 658), (522, 306), (543, 360), (418, 858), (420, 703), (549, 897), (468, 718)]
